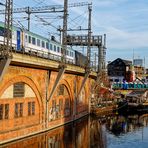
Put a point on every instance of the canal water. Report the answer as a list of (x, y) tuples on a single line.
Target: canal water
[(112, 131)]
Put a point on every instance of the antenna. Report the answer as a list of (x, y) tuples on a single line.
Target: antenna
[(133, 56)]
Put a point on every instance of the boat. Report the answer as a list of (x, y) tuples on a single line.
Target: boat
[(134, 102)]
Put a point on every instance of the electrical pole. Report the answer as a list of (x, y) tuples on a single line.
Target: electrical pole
[(6, 49), (8, 28), (62, 66), (28, 19), (95, 64), (89, 36), (64, 33)]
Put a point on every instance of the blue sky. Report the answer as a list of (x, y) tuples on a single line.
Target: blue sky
[(124, 21)]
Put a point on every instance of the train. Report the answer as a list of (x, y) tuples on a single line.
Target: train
[(32, 43)]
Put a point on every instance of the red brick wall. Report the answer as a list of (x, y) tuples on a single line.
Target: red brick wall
[(36, 79)]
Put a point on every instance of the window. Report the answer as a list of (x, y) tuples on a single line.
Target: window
[(111, 80), (31, 108), (18, 90), (18, 110), (61, 90), (55, 48), (4, 111), (2, 31), (29, 39), (43, 44), (33, 41), (67, 52), (116, 80), (66, 103), (47, 45), (72, 54), (51, 47), (26, 38), (60, 104), (38, 42), (58, 49), (1, 111)]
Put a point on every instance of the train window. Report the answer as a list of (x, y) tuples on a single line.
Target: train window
[(38, 42), (54, 48), (50, 46), (43, 44), (72, 54), (29, 39), (67, 52), (58, 49), (2, 31), (47, 45), (13, 36), (26, 38), (33, 41)]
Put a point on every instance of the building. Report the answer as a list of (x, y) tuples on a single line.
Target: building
[(138, 62), (117, 70), (145, 76), (139, 71)]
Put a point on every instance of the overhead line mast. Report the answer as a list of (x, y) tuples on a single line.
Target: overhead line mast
[(8, 27), (44, 9), (64, 33), (89, 36), (6, 48)]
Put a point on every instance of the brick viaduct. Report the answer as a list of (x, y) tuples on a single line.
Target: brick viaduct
[(32, 113)]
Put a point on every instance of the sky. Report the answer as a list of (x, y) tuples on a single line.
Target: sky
[(124, 22)]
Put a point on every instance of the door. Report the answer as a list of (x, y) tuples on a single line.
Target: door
[(18, 40)]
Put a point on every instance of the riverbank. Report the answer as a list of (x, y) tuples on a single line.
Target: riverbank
[(104, 110)]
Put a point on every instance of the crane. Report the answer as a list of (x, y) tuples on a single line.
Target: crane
[(44, 9)]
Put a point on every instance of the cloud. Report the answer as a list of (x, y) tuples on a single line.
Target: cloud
[(120, 39)]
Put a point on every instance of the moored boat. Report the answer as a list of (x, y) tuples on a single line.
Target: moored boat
[(134, 102)]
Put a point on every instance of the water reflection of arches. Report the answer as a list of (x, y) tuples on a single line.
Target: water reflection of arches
[(60, 105), (97, 136), (75, 134)]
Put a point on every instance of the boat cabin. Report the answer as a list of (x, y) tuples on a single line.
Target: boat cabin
[(137, 97)]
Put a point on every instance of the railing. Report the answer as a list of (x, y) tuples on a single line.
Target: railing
[(47, 55), (129, 86)]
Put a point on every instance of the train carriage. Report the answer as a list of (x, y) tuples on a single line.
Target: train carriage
[(31, 43)]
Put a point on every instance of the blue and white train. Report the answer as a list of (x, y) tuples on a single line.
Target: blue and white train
[(28, 42)]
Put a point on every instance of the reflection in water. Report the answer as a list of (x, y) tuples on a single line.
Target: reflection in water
[(74, 135), (103, 132)]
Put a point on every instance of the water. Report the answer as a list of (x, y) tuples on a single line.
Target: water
[(101, 132)]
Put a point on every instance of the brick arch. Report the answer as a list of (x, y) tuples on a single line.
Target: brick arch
[(67, 85), (27, 81)]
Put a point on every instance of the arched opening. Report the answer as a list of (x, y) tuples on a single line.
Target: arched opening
[(20, 104), (60, 105)]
